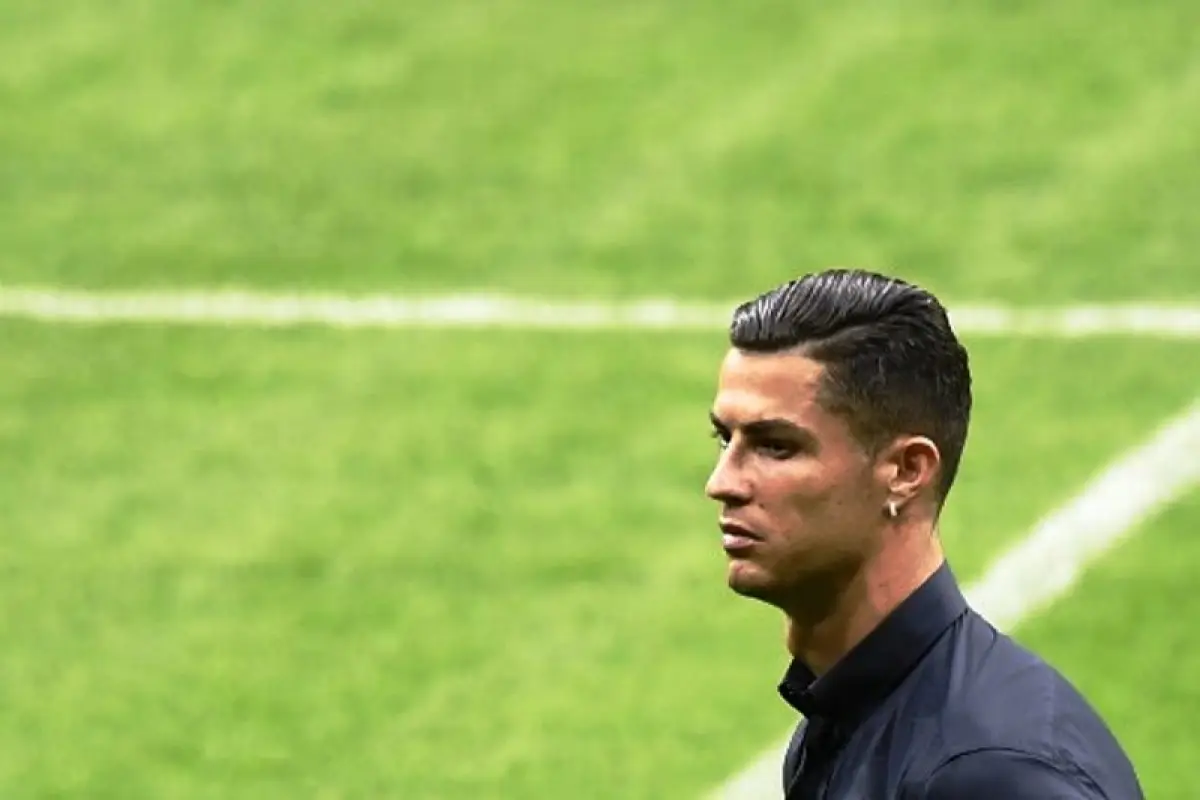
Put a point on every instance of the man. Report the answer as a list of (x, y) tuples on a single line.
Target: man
[(842, 412)]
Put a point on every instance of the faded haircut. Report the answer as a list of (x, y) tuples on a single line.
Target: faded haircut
[(893, 365)]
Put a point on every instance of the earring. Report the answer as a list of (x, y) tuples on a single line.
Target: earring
[(893, 511)]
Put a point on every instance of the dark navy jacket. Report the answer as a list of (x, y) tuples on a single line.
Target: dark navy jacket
[(935, 704)]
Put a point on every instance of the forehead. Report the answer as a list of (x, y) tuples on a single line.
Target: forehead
[(758, 385)]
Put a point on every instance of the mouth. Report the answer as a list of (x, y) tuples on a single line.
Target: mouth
[(736, 538)]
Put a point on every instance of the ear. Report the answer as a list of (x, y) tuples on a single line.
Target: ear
[(909, 467)]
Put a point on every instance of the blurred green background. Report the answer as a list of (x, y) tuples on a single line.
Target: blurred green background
[(246, 563)]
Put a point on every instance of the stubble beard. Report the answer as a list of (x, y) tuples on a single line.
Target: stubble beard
[(806, 594)]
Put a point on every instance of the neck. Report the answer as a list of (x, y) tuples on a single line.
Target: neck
[(859, 603)]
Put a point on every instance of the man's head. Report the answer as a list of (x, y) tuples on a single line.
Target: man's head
[(842, 411)]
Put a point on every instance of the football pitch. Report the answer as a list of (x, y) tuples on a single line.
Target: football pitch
[(244, 561)]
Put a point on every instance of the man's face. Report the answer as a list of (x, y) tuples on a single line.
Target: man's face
[(801, 500)]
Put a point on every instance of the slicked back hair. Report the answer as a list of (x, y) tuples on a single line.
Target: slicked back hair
[(893, 365)]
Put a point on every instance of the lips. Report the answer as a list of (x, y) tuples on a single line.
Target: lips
[(736, 538)]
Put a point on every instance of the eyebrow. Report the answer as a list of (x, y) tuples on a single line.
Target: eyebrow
[(768, 426)]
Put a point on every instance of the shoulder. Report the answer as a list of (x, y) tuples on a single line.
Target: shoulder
[(1003, 773), (1010, 697), (1015, 722)]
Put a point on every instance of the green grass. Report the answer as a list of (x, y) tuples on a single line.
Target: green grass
[(322, 564), (246, 564), (997, 151), (1127, 637)]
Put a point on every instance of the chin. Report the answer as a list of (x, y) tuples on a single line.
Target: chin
[(750, 580)]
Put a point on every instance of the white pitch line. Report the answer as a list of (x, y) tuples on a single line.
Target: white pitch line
[(1045, 564), (270, 310)]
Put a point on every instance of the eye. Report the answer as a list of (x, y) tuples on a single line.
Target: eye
[(778, 450), (722, 438)]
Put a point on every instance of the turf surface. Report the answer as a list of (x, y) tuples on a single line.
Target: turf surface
[(1127, 637), (247, 564), (250, 564), (996, 151)]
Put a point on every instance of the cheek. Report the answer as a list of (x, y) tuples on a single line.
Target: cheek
[(801, 486), (814, 488)]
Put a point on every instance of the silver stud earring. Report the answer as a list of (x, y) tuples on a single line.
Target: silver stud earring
[(893, 511)]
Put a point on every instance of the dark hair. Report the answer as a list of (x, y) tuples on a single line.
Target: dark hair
[(892, 362)]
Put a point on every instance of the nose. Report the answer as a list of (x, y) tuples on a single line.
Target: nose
[(728, 483)]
